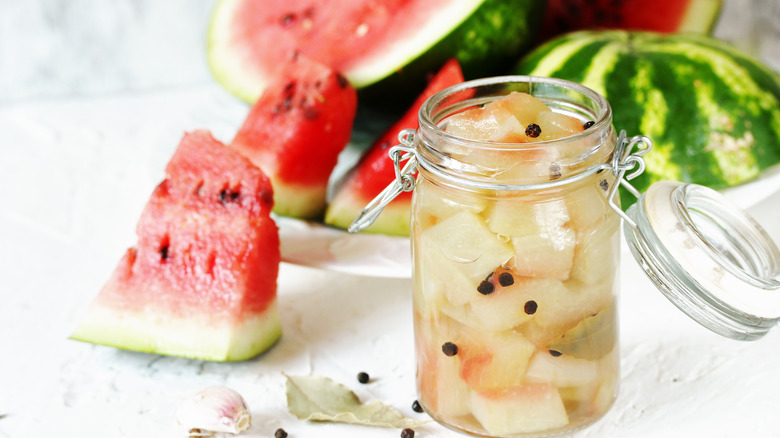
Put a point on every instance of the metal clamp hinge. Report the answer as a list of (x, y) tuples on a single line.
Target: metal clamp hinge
[(403, 182)]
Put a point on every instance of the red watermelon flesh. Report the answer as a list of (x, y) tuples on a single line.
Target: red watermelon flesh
[(665, 16), (375, 169), (295, 132), (201, 281)]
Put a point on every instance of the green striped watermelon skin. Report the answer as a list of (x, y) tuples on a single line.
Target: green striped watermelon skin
[(712, 112)]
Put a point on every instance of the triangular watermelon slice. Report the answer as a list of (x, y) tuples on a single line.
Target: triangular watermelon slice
[(375, 170), (295, 133), (201, 281)]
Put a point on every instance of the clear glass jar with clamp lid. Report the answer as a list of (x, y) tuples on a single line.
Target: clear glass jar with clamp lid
[(515, 250)]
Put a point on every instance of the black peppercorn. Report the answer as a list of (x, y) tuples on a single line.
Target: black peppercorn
[(530, 307), (416, 407), (506, 279), (449, 349), (485, 288), (604, 185), (555, 353), (533, 130), (363, 377), (407, 433), (280, 433), (588, 124)]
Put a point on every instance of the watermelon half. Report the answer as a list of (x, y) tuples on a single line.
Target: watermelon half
[(201, 281), (712, 112), (375, 170), (367, 41)]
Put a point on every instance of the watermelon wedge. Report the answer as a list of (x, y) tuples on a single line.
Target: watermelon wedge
[(295, 133), (375, 170), (201, 281), (368, 41)]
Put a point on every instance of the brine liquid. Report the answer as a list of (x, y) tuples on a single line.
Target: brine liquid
[(523, 284)]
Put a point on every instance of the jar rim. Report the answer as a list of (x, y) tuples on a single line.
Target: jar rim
[(603, 116)]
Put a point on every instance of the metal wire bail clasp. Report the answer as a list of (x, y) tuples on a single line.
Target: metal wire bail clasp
[(623, 160), (403, 182)]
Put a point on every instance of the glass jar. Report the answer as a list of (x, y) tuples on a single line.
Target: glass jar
[(514, 268)]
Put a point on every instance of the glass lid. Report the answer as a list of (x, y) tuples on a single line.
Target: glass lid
[(708, 257)]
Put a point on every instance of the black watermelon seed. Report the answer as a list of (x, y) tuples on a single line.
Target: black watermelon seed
[(164, 252), (407, 433), (449, 349), (416, 407), (288, 19), (486, 287), (506, 279), (555, 171), (555, 353), (222, 196), (363, 377), (287, 103), (311, 113), (588, 124), (533, 130), (530, 307), (604, 185), (280, 433), (342, 81), (234, 196)]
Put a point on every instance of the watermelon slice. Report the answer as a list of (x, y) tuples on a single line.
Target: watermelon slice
[(201, 281), (375, 170), (666, 16), (367, 41), (295, 133)]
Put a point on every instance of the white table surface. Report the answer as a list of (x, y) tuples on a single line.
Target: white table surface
[(86, 138)]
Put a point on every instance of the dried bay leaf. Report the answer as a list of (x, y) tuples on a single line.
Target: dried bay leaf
[(316, 398)]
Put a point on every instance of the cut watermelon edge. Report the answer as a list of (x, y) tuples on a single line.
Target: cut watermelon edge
[(188, 336)]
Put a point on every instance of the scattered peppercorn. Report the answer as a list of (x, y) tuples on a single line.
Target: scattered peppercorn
[(416, 407), (164, 252), (555, 171), (533, 130), (485, 288), (506, 279), (363, 377), (530, 307), (449, 349), (588, 124), (280, 433), (604, 185), (407, 433), (555, 353)]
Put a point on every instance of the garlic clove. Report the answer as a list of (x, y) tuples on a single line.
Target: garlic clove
[(212, 410)]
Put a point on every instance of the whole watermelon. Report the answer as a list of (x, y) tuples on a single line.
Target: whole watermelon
[(712, 112)]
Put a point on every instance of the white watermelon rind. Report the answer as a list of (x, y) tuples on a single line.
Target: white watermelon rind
[(191, 336)]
